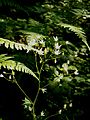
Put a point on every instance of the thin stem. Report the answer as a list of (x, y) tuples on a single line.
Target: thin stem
[(39, 72), (67, 118), (46, 85), (7, 79), (34, 116), (51, 116), (36, 63), (23, 91), (14, 81)]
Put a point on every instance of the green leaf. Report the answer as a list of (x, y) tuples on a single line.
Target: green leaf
[(72, 68)]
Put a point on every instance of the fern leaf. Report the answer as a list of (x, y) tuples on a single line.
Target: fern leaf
[(18, 46), (3, 57), (32, 35), (81, 13), (13, 65), (12, 46), (78, 31)]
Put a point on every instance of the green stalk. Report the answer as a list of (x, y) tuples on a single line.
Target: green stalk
[(39, 73)]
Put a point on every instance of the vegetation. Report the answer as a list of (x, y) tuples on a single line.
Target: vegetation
[(44, 60)]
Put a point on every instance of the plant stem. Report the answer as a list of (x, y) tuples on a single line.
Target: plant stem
[(67, 118), (23, 91), (34, 116), (36, 63), (39, 73), (15, 81), (51, 116)]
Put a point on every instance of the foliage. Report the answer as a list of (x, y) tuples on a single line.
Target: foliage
[(50, 44)]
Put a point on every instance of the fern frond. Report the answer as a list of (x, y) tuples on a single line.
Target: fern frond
[(80, 12), (32, 35), (18, 66), (78, 31), (3, 57), (18, 46)]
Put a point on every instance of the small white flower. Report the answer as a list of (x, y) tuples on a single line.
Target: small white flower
[(30, 109), (10, 77), (40, 52), (55, 61), (57, 46), (70, 105), (60, 111), (56, 52), (2, 20), (62, 53), (67, 42), (79, 0), (42, 113), (76, 55), (84, 17), (25, 106), (1, 75), (65, 105), (55, 39), (44, 90), (76, 72), (68, 62), (86, 54), (60, 84)]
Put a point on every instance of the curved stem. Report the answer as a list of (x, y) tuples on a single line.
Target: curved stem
[(34, 116), (51, 116), (14, 81), (23, 91)]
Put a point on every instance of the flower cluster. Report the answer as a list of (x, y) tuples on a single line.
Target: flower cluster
[(56, 46)]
